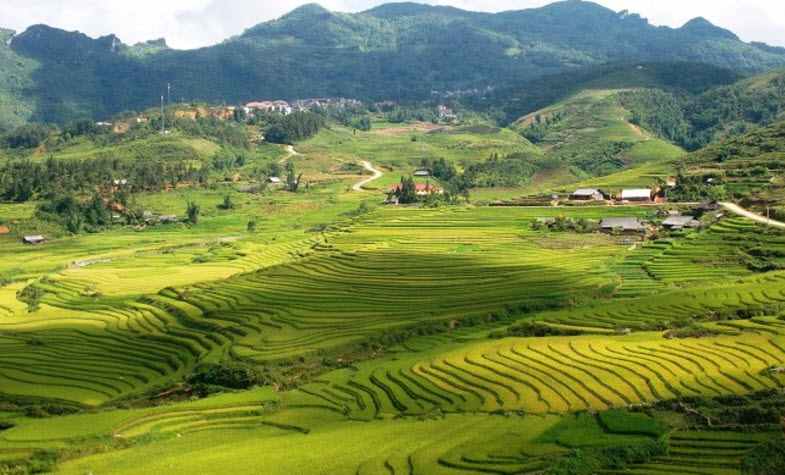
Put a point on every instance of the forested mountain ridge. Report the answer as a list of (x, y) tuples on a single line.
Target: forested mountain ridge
[(396, 51)]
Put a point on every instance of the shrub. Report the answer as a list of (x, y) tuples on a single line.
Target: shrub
[(192, 211), (228, 375), (766, 459)]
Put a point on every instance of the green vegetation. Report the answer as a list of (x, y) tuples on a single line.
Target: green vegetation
[(207, 299), (694, 122), (377, 54)]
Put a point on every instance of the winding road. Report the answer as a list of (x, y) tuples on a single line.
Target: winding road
[(736, 209), (376, 175)]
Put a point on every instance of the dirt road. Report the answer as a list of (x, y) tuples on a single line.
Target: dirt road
[(376, 175), (736, 209)]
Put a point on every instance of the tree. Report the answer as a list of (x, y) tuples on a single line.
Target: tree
[(251, 228), (193, 211), (292, 179), (27, 136), (362, 123), (407, 191), (227, 204)]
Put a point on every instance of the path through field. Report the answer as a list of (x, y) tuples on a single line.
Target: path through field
[(290, 153), (376, 175), (736, 209)]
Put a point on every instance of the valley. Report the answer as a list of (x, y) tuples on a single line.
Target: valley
[(577, 271)]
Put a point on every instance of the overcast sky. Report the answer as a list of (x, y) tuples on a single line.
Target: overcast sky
[(195, 23)]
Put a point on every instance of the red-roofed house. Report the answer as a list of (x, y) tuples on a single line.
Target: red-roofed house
[(421, 189)]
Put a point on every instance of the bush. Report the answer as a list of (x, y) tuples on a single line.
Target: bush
[(533, 329), (26, 136), (229, 375), (766, 459)]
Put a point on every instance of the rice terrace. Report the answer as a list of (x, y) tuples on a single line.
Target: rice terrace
[(409, 240)]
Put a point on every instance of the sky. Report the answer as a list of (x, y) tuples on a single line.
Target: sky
[(196, 23)]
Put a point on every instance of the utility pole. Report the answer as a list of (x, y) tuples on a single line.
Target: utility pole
[(163, 117)]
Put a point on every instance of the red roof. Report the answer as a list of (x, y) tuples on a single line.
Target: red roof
[(419, 188)]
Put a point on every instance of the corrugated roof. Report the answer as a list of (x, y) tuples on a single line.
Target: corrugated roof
[(636, 193), (586, 192), (680, 221), (627, 224)]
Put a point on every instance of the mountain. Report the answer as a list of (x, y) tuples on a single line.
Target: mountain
[(402, 51)]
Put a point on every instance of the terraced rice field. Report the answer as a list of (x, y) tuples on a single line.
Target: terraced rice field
[(702, 453), (386, 271), (555, 375), (108, 330)]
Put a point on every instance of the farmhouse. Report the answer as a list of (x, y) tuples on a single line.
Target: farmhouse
[(421, 189), (680, 222), (587, 194), (422, 173), (625, 225), (167, 219), (4, 230), (274, 180), (638, 195), (33, 240)]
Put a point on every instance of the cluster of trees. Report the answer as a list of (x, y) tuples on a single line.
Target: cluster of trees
[(221, 131), (565, 224), (76, 215), (225, 375), (26, 136), (288, 129), (512, 170), (540, 126), (697, 188), (228, 159), (22, 180)]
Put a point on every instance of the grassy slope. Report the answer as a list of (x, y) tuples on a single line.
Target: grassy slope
[(591, 121)]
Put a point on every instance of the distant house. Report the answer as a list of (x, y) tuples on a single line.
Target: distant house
[(680, 222), (422, 173), (274, 180), (34, 240), (269, 106), (4, 230), (167, 219), (625, 225), (640, 195), (587, 194)]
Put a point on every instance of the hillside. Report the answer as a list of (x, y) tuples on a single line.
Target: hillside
[(397, 51), (695, 121), (591, 135), (16, 106), (749, 166)]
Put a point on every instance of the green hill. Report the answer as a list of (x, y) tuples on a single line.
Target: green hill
[(590, 135), (696, 121), (397, 51)]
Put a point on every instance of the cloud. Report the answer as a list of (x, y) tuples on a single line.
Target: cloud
[(195, 23)]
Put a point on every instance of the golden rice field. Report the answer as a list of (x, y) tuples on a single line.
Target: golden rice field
[(450, 401)]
